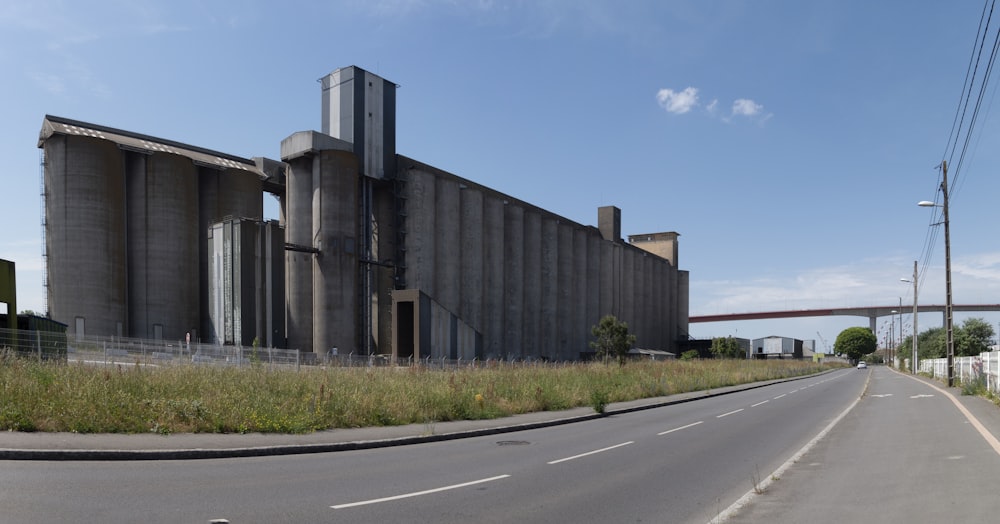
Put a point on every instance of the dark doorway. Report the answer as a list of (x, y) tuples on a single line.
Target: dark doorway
[(404, 333)]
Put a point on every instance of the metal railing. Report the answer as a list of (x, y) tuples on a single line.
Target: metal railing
[(985, 367)]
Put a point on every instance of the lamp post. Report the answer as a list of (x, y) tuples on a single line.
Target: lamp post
[(913, 358), (892, 336), (900, 322), (947, 271)]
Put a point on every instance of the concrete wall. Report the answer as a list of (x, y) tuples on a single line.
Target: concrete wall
[(530, 282)]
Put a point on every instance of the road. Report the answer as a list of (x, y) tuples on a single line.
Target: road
[(681, 463)]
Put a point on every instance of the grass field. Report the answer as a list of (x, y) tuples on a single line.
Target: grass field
[(81, 398)]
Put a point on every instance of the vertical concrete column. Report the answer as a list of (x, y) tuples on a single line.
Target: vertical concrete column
[(165, 217), (594, 281), (335, 267), (549, 288), (531, 338), (638, 324), (493, 280), (670, 305), (298, 264), (649, 301), (421, 237), (135, 224), (513, 273), (581, 331), (683, 287), (628, 285), (659, 319), (447, 247), (566, 310), (471, 256)]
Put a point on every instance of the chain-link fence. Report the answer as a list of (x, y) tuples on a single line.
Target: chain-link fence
[(120, 350), (356, 360), (43, 345)]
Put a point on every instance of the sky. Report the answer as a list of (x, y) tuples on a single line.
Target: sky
[(786, 142)]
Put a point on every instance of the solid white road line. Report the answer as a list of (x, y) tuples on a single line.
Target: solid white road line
[(592, 452), (767, 481), (983, 432), (419, 493), (680, 428)]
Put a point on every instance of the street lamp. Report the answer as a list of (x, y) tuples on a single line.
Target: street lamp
[(947, 271), (913, 358)]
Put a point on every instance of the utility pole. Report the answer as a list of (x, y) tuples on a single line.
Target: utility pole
[(913, 359), (947, 275)]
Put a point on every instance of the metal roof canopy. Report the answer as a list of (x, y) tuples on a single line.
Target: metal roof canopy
[(53, 125)]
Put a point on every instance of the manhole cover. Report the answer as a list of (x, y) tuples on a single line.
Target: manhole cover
[(512, 443)]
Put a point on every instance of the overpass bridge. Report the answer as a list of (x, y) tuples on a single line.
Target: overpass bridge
[(871, 312)]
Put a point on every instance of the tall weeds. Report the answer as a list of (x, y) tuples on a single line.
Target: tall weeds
[(133, 399)]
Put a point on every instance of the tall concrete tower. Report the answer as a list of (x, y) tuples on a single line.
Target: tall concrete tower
[(360, 107)]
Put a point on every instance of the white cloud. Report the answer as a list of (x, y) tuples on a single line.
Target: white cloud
[(677, 102), (746, 107)]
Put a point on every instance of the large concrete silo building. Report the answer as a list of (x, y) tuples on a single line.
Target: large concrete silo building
[(126, 217), (383, 253)]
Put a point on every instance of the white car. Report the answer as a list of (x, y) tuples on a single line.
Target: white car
[(862, 365)]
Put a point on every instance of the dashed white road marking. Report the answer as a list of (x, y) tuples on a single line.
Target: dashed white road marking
[(922, 395), (730, 413), (592, 452), (779, 396), (418, 493), (883, 395), (759, 403), (680, 428)]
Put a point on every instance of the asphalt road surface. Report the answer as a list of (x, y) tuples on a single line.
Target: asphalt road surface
[(682, 463)]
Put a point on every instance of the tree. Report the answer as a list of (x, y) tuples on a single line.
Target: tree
[(973, 337), (613, 339), (727, 348), (855, 342)]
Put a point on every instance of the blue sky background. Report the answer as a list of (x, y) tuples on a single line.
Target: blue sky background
[(787, 142)]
